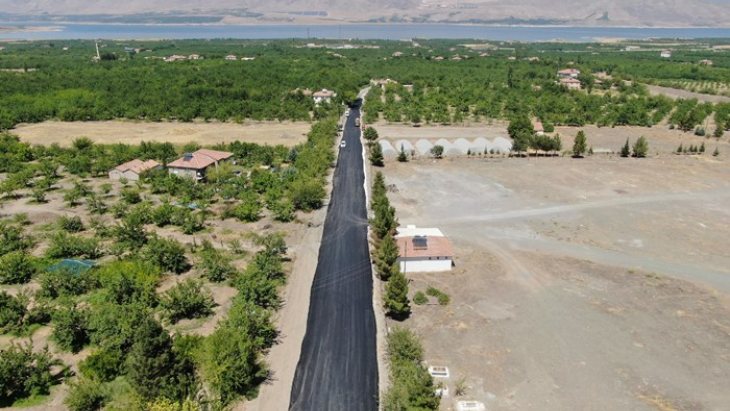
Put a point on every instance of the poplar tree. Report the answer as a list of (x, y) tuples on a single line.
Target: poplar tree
[(396, 300), (579, 144)]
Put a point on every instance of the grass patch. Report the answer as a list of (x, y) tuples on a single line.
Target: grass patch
[(33, 401), (442, 297), (420, 298)]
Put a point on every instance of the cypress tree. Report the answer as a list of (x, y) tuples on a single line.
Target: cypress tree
[(641, 147), (386, 257), (579, 144), (702, 147), (396, 300), (626, 149), (716, 152), (402, 156), (680, 149), (151, 361), (376, 155)]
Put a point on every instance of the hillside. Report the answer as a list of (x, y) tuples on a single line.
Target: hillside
[(676, 13)]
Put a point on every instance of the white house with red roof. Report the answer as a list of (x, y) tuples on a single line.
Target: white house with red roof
[(570, 83), (569, 73), (423, 250), (195, 165)]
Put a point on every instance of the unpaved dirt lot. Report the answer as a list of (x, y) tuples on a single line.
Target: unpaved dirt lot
[(128, 132), (579, 284)]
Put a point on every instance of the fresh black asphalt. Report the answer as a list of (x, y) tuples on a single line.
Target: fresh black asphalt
[(338, 369)]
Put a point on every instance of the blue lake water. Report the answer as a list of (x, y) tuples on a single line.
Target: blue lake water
[(358, 31)]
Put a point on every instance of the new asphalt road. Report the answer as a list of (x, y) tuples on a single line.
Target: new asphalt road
[(338, 368)]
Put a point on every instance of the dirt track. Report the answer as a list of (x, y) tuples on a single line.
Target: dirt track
[(594, 284)]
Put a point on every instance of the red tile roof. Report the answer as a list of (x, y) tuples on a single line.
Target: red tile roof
[(431, 247), (200, 160), (138, 166)]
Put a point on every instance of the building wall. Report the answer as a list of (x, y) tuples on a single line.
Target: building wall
[(115, 175), (421, 265), (184, 172)]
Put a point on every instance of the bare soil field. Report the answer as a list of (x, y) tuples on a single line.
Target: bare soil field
[(675, 93), (128, 132), (579, 284)]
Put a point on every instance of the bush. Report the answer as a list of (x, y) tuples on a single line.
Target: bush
[(63, 245), (127, 282), (70, 224), (641, 147), (187, 300), (437, 151), (216, 267), (61, 283), (442, 297), (168, 254), (70, 328), (25, 373), (131, 196), (12, 312), (420, 298), (412, 385), (86, 395), (103, 365), (17, 267), (13, 238), (307, 195)]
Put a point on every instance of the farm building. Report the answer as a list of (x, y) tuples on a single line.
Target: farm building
[(131, 170), (323, 96), (569, 73), (570, 83), (195, 165), (423, 250)]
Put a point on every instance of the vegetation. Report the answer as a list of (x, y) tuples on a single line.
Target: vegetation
[(187, 300), (420, 298), (641, 147), (411, 385), (579, 144), (395, 298), (26, 373), (442, 297)]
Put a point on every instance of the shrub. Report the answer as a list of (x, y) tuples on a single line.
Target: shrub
[(17, 267), (63, 245), (307, 195), (187, 300), (131, 196), (437, 151), (70, 224), (13, 238), (442, 297), (103, 365), (412, 386), (166, 253), (86, 395), (163, 215), (641, 147), (12, 312), (70, 328), (127, 282), (25, 373), (420, 298)]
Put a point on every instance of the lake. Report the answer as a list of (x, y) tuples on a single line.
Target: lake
[(356, 31)]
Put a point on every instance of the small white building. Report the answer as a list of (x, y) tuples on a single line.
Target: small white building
[(323, 96), (423, 250), (131, 170), (470, 406), (666, 54)]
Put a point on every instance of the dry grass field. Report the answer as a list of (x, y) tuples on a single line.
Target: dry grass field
[(111, 132)]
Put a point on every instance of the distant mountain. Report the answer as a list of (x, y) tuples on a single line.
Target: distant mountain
[(649, 13)]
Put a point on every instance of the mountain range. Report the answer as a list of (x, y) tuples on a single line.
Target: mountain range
[(635, 13)]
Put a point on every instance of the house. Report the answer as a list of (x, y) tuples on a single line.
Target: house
[(569, 73), (706, 62), (194, 57), (231, 57), (423, 250), (570, 83), (195, 165), (666, 54), (248, 58), (323, 96), (539, 128), (397, 54), (438, 58), (131, 170)]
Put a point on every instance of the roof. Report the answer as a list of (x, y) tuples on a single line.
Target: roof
[(324, 93), (537, 125), (424, 246), (200, 160), (569, 71), (569, 81), (412, 231), (137, 166)]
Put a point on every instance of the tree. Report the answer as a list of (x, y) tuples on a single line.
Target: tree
[(376, 155), (716, 152), (396, 300), (626, 149), (386, 256), (519, 125), (579, 145), (437, 151), (166, 253), (25, 372), (557, 143), (17, 267), (70, 328), (86, 395), (702, 147), (150, 361), (187, 300), (641, 147), (402, 156), (370, 133)]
